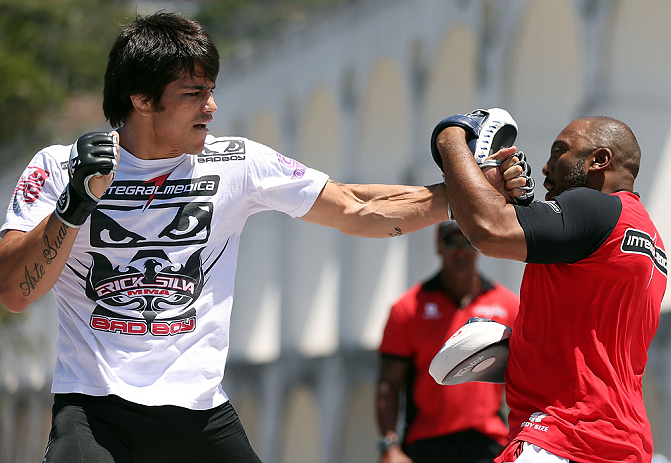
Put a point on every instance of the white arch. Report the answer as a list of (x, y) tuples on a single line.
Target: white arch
[(376, 269), (545, 80), (247, 407), (452, 81), (257, 311), (384, 126), (313, 300), (640, 67), (452, 87), (360, 426), (302, 441), (320, 134)]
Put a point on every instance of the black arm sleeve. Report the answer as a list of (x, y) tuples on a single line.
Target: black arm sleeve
[(570, 227)]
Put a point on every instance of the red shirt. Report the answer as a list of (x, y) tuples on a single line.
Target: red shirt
[(579, 345), (418, 326)]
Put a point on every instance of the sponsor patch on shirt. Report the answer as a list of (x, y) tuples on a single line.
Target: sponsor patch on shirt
[(554, 206), (431, 311), (223, 150), (534, 422), (29, 187), (160, 188), (639, 242), (299, 169)]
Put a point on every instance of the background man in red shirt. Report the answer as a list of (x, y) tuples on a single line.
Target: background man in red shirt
[(443, 423)]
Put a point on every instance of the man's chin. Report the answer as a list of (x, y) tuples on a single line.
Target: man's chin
[(195, 149), (197, 143)]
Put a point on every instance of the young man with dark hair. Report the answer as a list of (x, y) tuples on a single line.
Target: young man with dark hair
[(590, 296), (137, 234), (442, 423)]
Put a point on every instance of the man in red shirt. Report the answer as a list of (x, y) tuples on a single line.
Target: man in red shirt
[(443, 423), (590, 296)]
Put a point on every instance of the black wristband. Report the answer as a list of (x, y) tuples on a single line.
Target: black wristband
[(73, 209)]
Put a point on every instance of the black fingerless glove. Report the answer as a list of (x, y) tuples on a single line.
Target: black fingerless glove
[(92, 154)]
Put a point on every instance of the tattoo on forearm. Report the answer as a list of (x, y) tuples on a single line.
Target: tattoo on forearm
[(32, 278), (50, 252), (397, 232)]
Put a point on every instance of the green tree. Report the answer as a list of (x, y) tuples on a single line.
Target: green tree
[(51, 50), (48, 51)]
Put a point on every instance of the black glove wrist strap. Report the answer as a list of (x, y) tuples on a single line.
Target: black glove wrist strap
[(442, 125), (73, 208)]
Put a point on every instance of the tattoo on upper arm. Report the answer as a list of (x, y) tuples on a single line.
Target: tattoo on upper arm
[(397, 232), (35, 273), (334, 182)]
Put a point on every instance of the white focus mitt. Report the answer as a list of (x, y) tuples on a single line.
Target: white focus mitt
[(478, 351)]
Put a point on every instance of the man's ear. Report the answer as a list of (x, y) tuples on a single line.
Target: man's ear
[(600, 159), (141, 103)]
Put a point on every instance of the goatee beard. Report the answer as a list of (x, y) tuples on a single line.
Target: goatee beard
[(574, 179)]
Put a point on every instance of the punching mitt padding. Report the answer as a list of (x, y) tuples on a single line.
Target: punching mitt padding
[(478, 352), (487, 131)]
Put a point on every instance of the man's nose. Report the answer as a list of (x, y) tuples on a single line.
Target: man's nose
[(210, 105)]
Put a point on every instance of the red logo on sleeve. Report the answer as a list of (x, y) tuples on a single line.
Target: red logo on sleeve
[(30, 184)]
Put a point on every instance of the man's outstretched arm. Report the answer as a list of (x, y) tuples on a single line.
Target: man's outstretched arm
[(378, 211)]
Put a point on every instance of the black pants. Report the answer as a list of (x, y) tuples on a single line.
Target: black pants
[(109, 429), (462, 447)]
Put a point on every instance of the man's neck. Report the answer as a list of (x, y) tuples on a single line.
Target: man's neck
[(141, 144), (612, 181), (462, 288)]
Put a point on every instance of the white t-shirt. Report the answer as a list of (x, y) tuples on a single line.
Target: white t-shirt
[(145, 298)]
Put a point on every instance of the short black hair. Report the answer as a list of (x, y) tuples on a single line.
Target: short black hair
[(151, 52)]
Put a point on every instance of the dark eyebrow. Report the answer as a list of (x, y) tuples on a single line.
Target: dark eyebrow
[(199, 87)]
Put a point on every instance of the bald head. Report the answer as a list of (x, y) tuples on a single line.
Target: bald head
[(595, 152), (606, 132)]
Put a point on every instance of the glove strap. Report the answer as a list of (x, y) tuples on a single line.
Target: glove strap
[(73, 208), (452, 121), (489, 163)]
